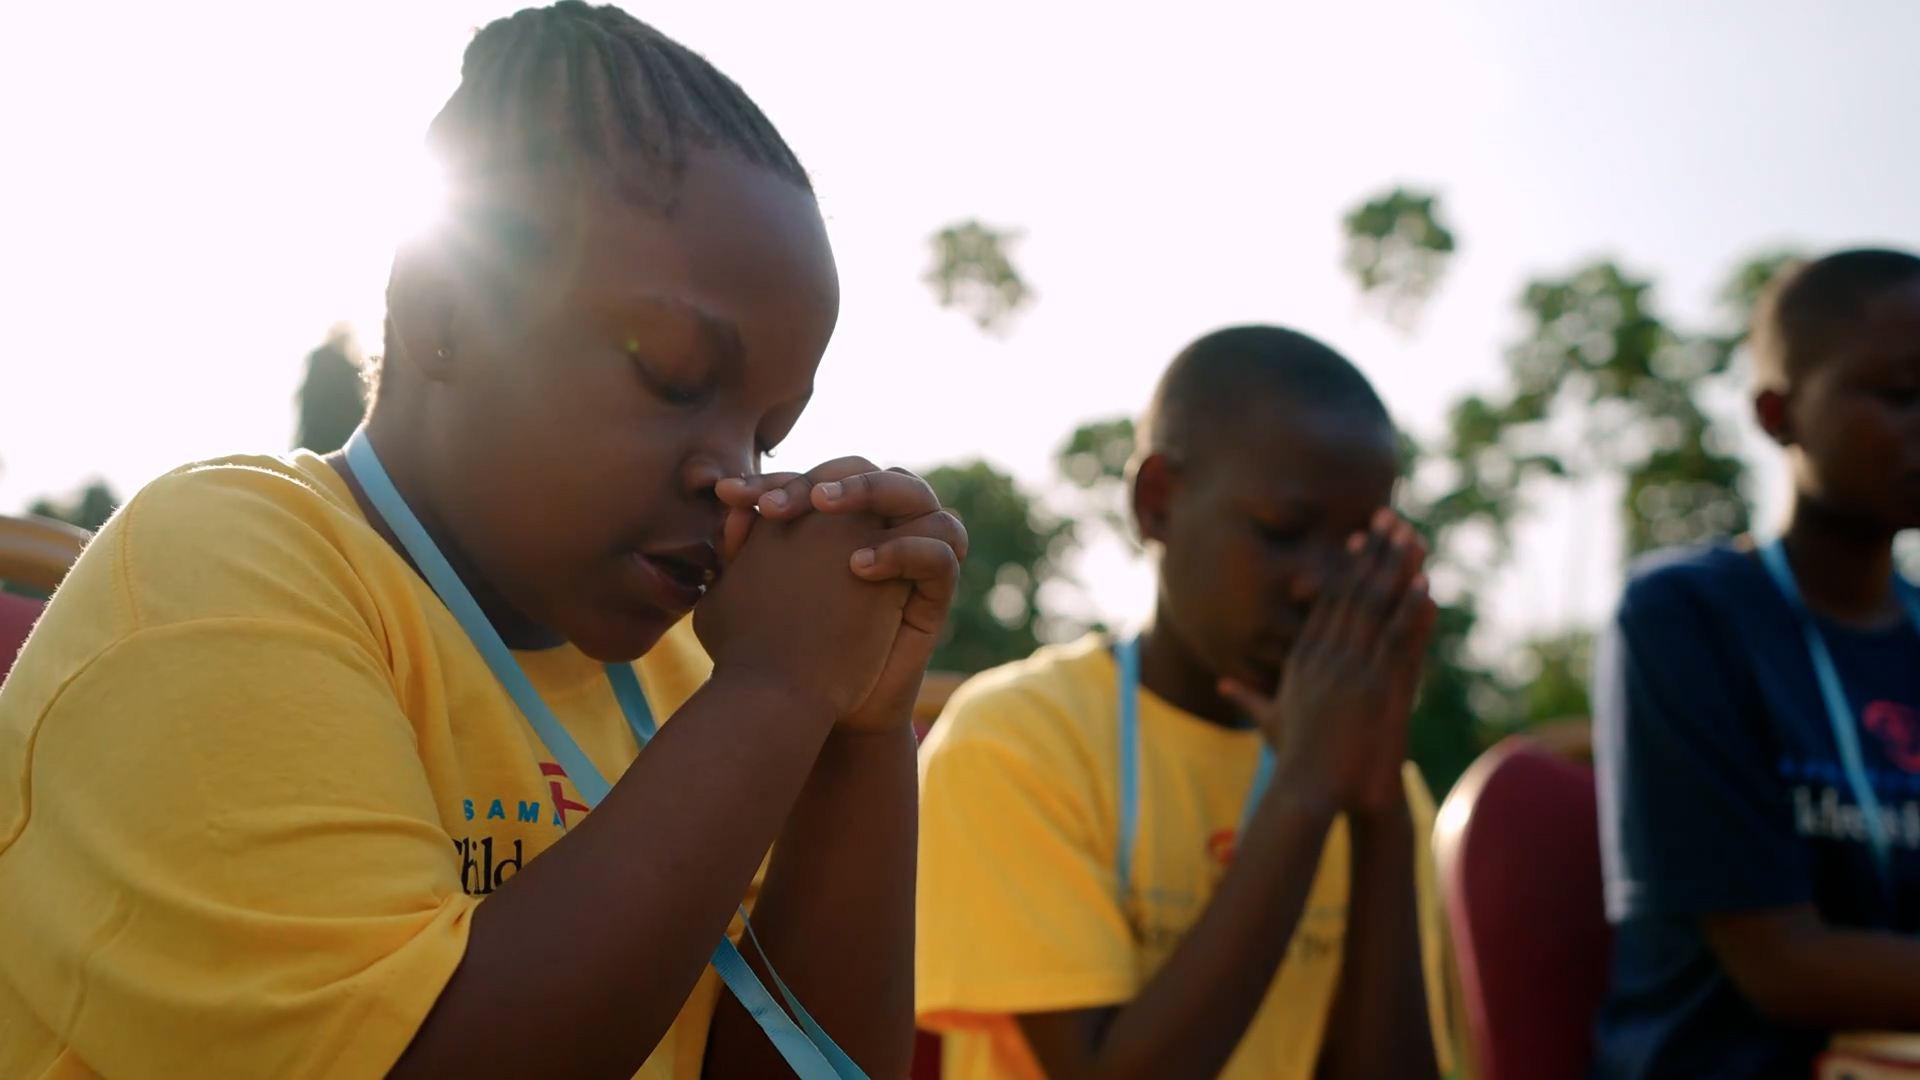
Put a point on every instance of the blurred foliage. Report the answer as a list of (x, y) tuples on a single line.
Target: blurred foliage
[(89, 508), (1096, 454), (1743, 288), (333, 395), (1397, 251), (1093, 464), (1554, 686), (973, 270), (1014, 548), (1598, 384)]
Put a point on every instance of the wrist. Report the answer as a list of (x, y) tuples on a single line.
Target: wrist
[(856, 748), (1382, 824), (1308, 803), (770, 695)]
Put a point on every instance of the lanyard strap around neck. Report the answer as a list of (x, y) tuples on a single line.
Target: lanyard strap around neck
[(1840, 714), (1127, 656), (806, 1047)]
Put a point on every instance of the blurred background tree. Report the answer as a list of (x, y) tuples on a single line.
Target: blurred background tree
[(89, 508), (1093, 467), (333, 394), (1397, 251), (1014, 549), (973, 270)]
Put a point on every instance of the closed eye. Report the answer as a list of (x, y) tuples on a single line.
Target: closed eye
[(1278, 536), (667, 390)]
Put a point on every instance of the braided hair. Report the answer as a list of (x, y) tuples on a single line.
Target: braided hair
[(558, 99), (573, 89)]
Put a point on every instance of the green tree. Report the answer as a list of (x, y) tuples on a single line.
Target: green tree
[(333, 396), (89, 508), (1398, 250), (1093, 464), (1014, 549), (1555, 678), (1600, 383), (973, 270)]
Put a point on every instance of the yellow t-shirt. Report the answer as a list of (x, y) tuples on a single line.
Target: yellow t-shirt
[(1019, 823), (253, 781)]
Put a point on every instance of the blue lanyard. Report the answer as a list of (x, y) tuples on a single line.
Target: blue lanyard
[(1127, 653), (1840, 714), (807, 1048)]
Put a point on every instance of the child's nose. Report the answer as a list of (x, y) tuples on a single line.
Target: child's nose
[(703, 471)]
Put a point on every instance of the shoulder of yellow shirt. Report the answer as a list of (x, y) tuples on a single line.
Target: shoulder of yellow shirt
[(1061, 691), (1061, 682), (240, 537), (249, 537)]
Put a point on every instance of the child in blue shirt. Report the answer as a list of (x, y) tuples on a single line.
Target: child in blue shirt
[(1757, 721)]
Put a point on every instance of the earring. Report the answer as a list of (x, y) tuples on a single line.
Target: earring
[(441, 352)]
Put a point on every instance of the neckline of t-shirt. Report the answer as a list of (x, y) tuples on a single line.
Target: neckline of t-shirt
[(1152, 704), (1757, 577)]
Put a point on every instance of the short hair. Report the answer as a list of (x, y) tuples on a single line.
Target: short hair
[(1216, 378), (1799, 310), (574, 86)]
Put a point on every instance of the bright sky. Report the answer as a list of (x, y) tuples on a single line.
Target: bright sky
[(195, 191)]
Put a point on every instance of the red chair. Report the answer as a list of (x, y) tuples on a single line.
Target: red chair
[(1517, 845), (35, 553)]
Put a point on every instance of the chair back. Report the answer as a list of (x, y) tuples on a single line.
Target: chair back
[(1517, 845), (35, 553)]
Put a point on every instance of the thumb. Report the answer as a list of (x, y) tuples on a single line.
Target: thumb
[(739, 524), (1246, 699)]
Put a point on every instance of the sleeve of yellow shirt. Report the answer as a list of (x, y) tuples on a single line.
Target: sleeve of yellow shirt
[(1017, 911), (236, 870)]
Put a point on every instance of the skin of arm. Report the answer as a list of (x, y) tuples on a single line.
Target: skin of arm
[(1797, 970), (1232, 951), (1379, 1024)]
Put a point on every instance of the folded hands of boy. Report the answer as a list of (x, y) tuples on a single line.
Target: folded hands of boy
[(1339, 721)]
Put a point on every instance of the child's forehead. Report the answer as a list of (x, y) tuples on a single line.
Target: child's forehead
[(1882, 340), (1273, 451), (1892, 316), (1880, 335)]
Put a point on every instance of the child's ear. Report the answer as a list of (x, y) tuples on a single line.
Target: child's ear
[(1152, 491), (1770, 408), (421, 306)]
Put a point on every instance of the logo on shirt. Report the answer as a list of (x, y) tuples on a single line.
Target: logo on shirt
[(1823, 815), (1221, 846), (488, 862), (561, 804), (1899, 730), (480, 871)]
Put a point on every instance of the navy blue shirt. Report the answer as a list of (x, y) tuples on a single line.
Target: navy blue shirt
[(1721, 790)]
